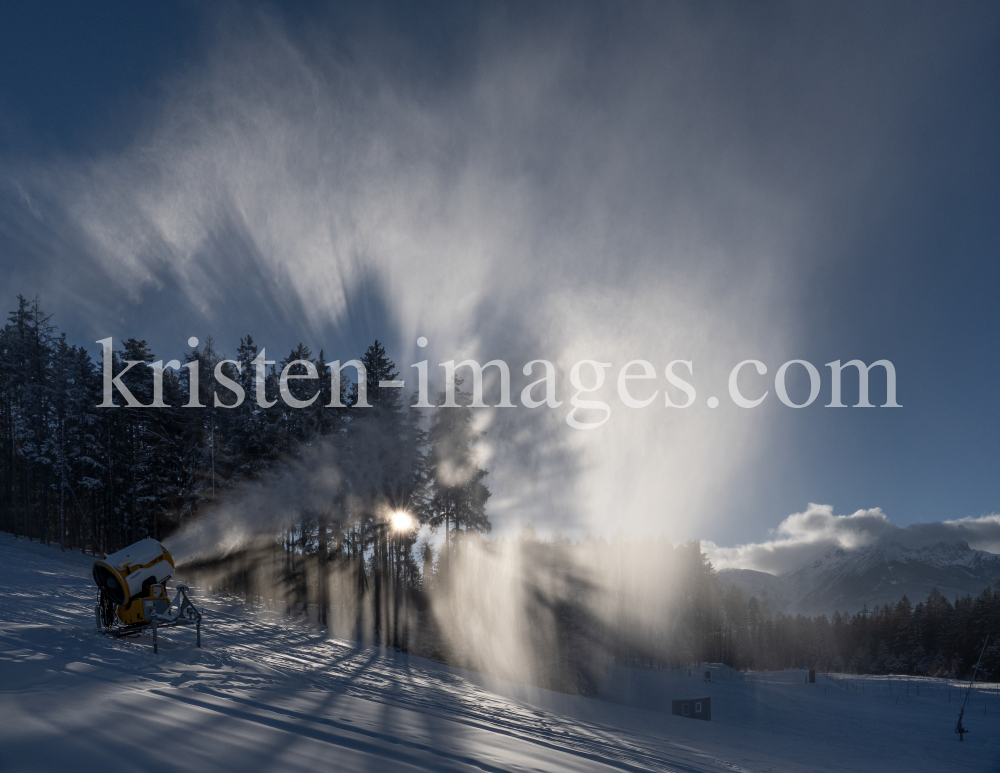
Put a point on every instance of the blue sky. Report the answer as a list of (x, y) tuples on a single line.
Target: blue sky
[(714, 183)]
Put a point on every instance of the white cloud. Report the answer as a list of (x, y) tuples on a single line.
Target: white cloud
[(803, 535)]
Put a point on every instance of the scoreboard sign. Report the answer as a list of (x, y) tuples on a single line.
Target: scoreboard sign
[(696, 708)]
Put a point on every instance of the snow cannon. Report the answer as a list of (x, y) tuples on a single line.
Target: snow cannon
[(129, 574), (132, 592)]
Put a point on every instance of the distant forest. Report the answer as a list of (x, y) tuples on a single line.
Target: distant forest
[(98, 479)]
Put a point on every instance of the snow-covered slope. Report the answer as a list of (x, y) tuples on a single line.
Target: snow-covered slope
[(264, 694), (881, 573)]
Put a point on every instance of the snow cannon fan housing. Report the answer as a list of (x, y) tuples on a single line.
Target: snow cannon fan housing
[(131, 573)]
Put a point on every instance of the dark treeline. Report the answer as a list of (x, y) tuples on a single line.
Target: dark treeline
[(322, 489), (933, 638), (100, 478), (75, 473)]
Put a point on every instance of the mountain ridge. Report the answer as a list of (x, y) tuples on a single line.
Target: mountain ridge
[(848, 579)]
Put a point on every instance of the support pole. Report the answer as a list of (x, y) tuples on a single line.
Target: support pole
[(197, 628)]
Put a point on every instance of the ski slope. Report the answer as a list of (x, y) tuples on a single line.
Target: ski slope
[(267, 694)]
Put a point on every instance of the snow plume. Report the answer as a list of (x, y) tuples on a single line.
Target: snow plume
[(802, 536), (328, 478), (552, 614), (536, 203), (652, 182), (274, 502), (497, 612), (556, 613)]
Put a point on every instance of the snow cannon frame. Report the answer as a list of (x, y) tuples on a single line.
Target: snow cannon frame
[(132, 593)]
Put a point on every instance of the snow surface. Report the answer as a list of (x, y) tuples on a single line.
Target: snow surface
[(267, 694)]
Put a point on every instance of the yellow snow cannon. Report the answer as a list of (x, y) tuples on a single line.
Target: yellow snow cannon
[(131, 572), (132, 597), (140, 610)]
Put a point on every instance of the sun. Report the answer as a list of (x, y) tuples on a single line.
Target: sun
[(401, 521)]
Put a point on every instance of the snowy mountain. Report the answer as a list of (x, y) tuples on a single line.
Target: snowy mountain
[(881, 573), (772, 592)]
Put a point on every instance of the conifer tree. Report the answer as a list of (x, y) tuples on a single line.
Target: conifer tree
[(455, 494)]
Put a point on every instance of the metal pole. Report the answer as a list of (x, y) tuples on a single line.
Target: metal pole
[(977, 668)]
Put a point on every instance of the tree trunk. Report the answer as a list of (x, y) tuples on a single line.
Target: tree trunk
[(322, 576)]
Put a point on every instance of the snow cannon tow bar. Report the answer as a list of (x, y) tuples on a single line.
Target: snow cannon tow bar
[(132, 592)]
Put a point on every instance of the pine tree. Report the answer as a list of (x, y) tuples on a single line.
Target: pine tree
[(298, 424), (251, 443), (382, 464), (455, 493), (200, 440)]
